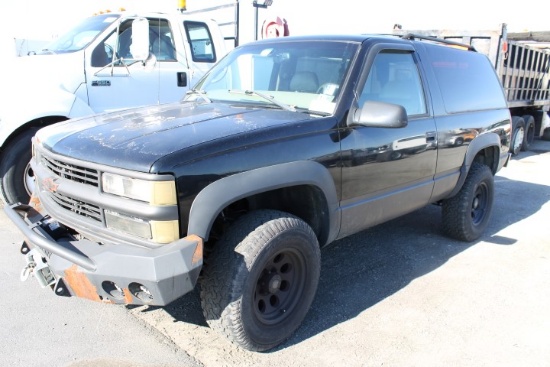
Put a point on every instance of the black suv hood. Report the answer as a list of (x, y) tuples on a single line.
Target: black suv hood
[(136, 138)]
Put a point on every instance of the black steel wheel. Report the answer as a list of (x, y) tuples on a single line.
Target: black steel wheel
[(279, 286), (261, 279), (466, 215)]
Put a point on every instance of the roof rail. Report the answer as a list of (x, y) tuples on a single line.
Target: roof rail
[(412, 36)]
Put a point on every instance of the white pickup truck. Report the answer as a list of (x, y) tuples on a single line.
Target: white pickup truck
[(107, 62)]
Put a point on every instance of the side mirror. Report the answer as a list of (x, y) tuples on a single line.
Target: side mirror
[(380, 114), (140, 39)]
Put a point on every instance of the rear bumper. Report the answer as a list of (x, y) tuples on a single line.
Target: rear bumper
[(109, 273)]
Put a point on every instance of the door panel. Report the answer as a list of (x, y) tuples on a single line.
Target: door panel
[(389, 171), (129, 82)]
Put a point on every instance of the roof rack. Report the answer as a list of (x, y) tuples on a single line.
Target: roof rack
[(412, 36)]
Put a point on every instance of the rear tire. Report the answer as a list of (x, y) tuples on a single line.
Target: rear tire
[(261, 279), (529, 135), (518, 132), (17, 176), (466, 215)]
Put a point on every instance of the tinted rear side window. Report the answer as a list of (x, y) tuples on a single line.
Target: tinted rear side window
[(467, 80)]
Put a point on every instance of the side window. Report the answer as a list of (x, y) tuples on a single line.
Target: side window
[(117, 44), (161, 40), (101, 55), (114, 46), (394, 78), (122, 47), (200, 39), (466, 79), (161, 43)]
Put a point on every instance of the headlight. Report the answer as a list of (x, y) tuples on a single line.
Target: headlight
[(157, 231), (152, 192)]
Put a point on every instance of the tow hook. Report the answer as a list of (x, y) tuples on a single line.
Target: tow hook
[(37, 266), (27, 271)]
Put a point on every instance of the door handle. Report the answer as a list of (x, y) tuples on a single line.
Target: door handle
[(182, 79)]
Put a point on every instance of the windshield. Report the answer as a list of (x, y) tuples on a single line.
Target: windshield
[(81, 35), (304, 75)]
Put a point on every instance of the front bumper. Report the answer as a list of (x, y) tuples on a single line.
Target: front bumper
[(118, 273)]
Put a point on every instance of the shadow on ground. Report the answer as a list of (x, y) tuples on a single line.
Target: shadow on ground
[(364, 269)]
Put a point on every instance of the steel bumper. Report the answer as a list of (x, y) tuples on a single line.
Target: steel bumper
[(118, 273)]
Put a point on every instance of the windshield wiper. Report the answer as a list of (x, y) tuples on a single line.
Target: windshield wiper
[(200, 93), (271, 99), (313, 112)]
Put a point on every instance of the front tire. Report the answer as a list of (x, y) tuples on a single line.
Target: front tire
[(466, 215), (17, 176), (261, 279)]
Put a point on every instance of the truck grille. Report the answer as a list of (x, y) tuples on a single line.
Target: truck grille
[(72, 172), (78, 207), (76, 173)]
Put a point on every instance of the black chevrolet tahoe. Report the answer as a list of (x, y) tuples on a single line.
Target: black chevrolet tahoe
[(285, 146)]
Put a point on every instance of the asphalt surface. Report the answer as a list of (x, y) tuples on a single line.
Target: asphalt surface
[(399, 294)]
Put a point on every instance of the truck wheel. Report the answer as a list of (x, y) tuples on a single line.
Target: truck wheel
[(17, 176), (518, 132), (529, 135), (261, 279), (546, 134), (466, 215)]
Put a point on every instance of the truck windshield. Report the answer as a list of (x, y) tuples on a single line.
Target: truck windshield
[(80, 36), (293, 75)]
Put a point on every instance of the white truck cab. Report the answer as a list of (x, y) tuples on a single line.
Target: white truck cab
[(107, 62)]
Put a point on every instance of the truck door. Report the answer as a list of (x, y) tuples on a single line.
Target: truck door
[(388, 170), (118, 79)]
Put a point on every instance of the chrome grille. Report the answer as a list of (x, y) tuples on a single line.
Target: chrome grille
[(72, 172), (78, 207)]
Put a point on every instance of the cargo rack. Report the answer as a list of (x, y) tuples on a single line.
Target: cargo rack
[(413, 36)]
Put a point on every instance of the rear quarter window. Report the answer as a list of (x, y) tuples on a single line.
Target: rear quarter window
[(467, 80)]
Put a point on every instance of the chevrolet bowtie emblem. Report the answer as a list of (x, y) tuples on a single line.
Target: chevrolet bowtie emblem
[(49, 184)]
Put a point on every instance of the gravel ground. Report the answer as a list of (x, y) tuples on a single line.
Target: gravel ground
[(399, 294), (402, 294)]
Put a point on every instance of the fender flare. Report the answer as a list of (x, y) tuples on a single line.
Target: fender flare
[(481, 142), (219, 194)]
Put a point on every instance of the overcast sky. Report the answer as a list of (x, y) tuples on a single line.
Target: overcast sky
[(42, 19)]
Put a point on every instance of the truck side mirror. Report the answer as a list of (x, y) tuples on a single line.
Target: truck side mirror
[(380, 114), (140, 39)]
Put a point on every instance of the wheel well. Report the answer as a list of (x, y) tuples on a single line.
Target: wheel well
[(489, 157), (304, 201), (39, 122)]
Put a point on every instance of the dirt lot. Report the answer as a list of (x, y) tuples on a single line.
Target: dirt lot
[(402, 294)]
